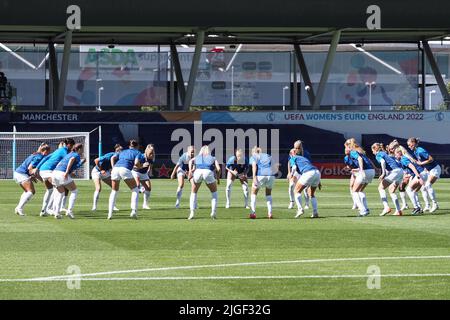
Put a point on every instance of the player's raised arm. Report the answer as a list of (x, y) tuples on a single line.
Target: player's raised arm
[(254, 171), (174, 171), (383, 169), (113, 160), (218, 171), (137, 163), (69, 167), (191, 168)]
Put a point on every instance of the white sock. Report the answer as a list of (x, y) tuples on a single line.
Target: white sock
[(112, 201), (134, 199), (298, 201), (305, 192), (425, 196), (354, 197), (24, 198), (416, 197), (146, 197), (403, 197), (213, 202), (253, 203), (245, 190), (412, 197), (64, 201), (72, 198), (383, 198), (363, 200), (193, 201), (269, 204), (179, 194), (52, 199), (395, 200), (228, 191), (95, 201), (47, 196), (58, 205), (357, 201), (291, 191), (430, 190), (57, 201), (314, 204)]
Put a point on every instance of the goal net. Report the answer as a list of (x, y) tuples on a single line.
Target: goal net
[(15, 147)]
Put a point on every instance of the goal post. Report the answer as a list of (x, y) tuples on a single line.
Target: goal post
[(16, 146), (99, 129)]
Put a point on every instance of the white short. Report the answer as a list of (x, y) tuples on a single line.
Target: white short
[(20, 177), (395, 176), (436, 171), (46, 174), (204, 175), (181, 172), (265, 182), (58, 179), (97, 175), (365, 178), (119, 173), (424, 175), (141, 176), (296, 175), (310, 178)]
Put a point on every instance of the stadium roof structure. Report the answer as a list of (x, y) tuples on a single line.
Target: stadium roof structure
[(203, 22), (245, 21)]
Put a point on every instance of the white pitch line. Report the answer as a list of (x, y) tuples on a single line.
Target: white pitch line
[(241, 265), (337, 276)]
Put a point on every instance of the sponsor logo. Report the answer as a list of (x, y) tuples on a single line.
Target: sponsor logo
[(270, 117), (223, 143), (50, 117), (332, 170), (445, 171), (440, 116)]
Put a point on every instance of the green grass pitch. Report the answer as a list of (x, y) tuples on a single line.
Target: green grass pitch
[(164, 256)]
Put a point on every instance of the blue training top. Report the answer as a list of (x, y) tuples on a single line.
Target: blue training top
[(32, 160), (307, 155), (291, 159), (233, 164), (366, 162), (127, 158), (143, 159), (183, 162), (423, 155), (51, 161), (303, 165), (391, 163), (205, 162), (353, 164), (263, 163), (104, 162), (62, 166), (404, 161)]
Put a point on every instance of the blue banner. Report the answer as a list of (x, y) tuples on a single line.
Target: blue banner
[(307, 117)]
